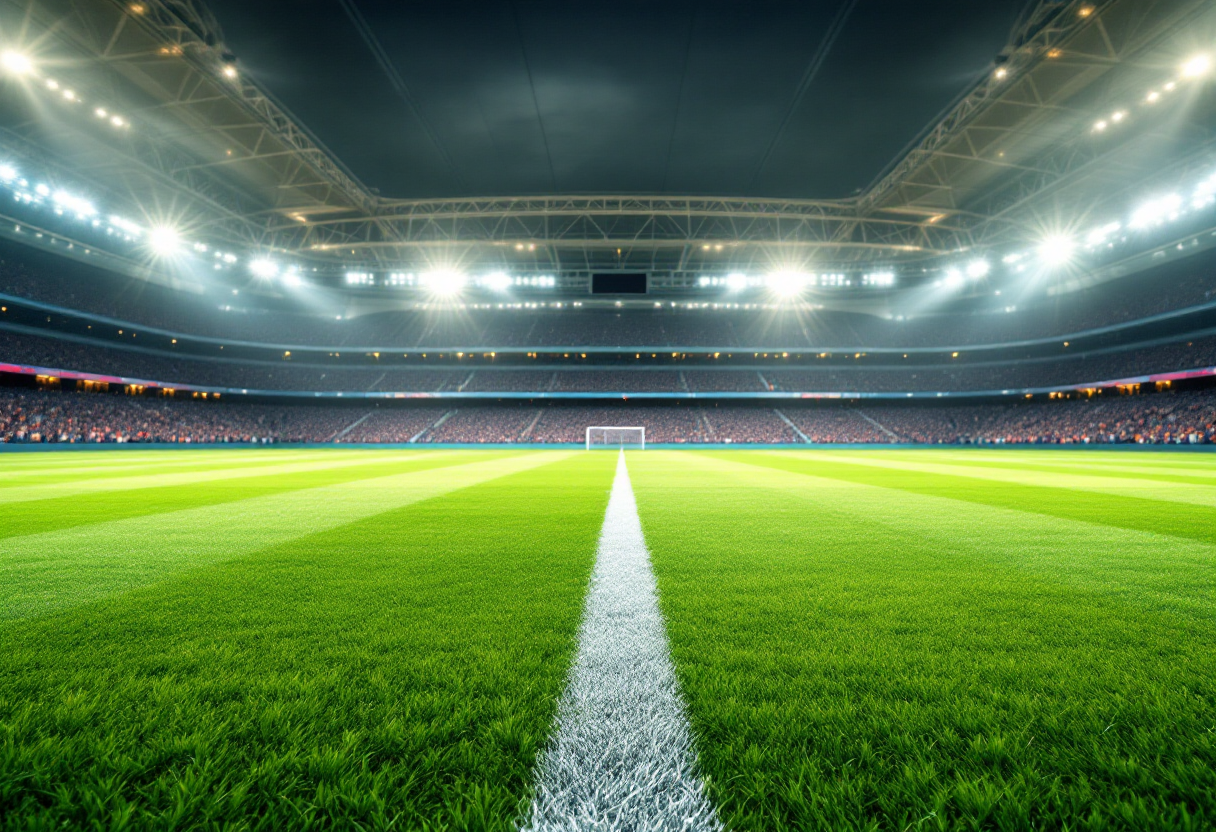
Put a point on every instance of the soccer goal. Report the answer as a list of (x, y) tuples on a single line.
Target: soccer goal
[(615, 437)]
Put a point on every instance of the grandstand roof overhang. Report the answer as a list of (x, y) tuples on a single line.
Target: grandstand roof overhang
[(210, 145)]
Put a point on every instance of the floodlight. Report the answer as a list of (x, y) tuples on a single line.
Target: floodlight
[(977, 269), (497, 281), (1057, 250), (954, 279), (7, 173), (787, 283), (16, 63), (1205, 193), (292, 280), (1156, 211), (1197, 66), (117, 121), (444, 282), (77, 205), (736, 282), (263, 268), (164, 240), (1100, 125), (1099, 235), (229, 71)]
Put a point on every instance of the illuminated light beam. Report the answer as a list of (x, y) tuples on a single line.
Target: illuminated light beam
[(1196, 66), (1056, 250), (164, 240), (16, 62)]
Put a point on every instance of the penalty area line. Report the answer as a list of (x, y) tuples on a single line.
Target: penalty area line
[(622, 756)]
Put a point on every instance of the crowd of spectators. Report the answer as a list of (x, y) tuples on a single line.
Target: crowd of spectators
[(483, 424), (724, 381), (46, 416), (215, 311), (841, 426), (676, 424), (1183, 417), (57, 354), (626, 381), (742, 424), (393, 425)]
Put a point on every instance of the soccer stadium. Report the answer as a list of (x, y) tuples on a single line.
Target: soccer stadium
[(613, 415)]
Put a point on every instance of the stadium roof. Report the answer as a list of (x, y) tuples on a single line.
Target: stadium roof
[(877, 131), (767, 98)]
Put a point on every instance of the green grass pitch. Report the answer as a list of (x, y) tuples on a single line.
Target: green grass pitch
[(372, 639)]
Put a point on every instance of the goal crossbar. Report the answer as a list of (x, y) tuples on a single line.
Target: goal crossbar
[(612, 436)]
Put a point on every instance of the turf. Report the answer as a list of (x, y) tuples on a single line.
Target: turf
[(903, 640), (867, 642), (396, 670)]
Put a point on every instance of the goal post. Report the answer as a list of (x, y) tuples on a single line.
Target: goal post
[(599, 436)]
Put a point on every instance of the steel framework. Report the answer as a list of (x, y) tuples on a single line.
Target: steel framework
[(217, 146)]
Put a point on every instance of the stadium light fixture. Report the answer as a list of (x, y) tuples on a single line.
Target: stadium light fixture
[(263, 268), (978, 269), (497, 281), (1057, 250), (1205, 193), (1156, 212), (787, 283), (954, 279), (445, 283), (1100, 235), (736, 281), (291, 279), (16, 63), (7, 173), (1197, 66), (79, 206), (164, 241)]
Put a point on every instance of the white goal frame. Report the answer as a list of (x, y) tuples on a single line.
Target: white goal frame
[(640, 445)]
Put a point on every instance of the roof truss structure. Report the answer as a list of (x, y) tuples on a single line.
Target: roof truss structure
[(233, 163)]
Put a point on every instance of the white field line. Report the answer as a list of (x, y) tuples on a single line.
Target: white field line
[(622, 755)]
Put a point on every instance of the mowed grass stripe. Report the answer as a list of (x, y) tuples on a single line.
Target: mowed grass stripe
[(46, 515), (400, 671), (43, 573), (1204, 494), (172, 462), (49, 459), (230, 470), (1164, 517), (1206, 479), (861, 658), (1181, 574)]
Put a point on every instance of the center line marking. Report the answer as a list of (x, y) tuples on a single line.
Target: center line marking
[(622, 755)]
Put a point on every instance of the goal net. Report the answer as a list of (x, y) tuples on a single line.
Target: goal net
[(615, 437)]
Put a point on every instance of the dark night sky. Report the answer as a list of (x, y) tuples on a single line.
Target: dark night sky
[(625, 97)]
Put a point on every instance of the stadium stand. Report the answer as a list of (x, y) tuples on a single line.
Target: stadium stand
[(57, 354), (214, 311), (48, 416)]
